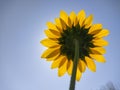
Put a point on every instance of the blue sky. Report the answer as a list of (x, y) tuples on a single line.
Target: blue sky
[(22, 25)]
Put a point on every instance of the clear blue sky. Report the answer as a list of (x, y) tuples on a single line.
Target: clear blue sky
[(22, 23)]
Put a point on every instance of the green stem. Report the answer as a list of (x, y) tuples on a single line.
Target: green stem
[(76, 57)]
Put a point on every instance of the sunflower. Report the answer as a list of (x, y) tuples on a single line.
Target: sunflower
[(60, 43)]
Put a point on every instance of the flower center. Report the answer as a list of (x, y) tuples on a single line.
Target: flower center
[(67, 42)]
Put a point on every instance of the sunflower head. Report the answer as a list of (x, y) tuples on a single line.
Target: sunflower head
[(61, 47)]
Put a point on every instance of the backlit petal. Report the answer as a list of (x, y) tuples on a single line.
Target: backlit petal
[(64, 16), (81, 17), (54, 57), (50, 52), (78, 74), (73, 17), (50, 26), (62, 70), (81, 14), (58, 24), (102, 33), (49, 42), (82, 65), (94, 28), (90, 64), (98, 50), (99, 58), (62, 62), (56, 63), (75, 21), (70, 67), (63, 24), (50, 34), (55, 32), (88, 21), (100, 42), (69, 22)]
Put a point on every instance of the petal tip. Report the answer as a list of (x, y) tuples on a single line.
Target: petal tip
[(59, 74)]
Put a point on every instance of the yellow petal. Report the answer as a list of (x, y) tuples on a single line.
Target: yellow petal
[(94, 28), (81, 14), (50, 34), (75, 21), (99, 58), (62, 70), (90, 64), (64, 17), (50, 52), (51, 26), (98, 50), (69, 23), (58, 24), (62, 62), (81, 17), (102, 33), (73, 18), (49, 43), (56, 63), (100, 42), (63, 24), (95, 32), (54, 57), (70, 67), (88, 21), (55, 32), (78, 74), (82, 65)]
